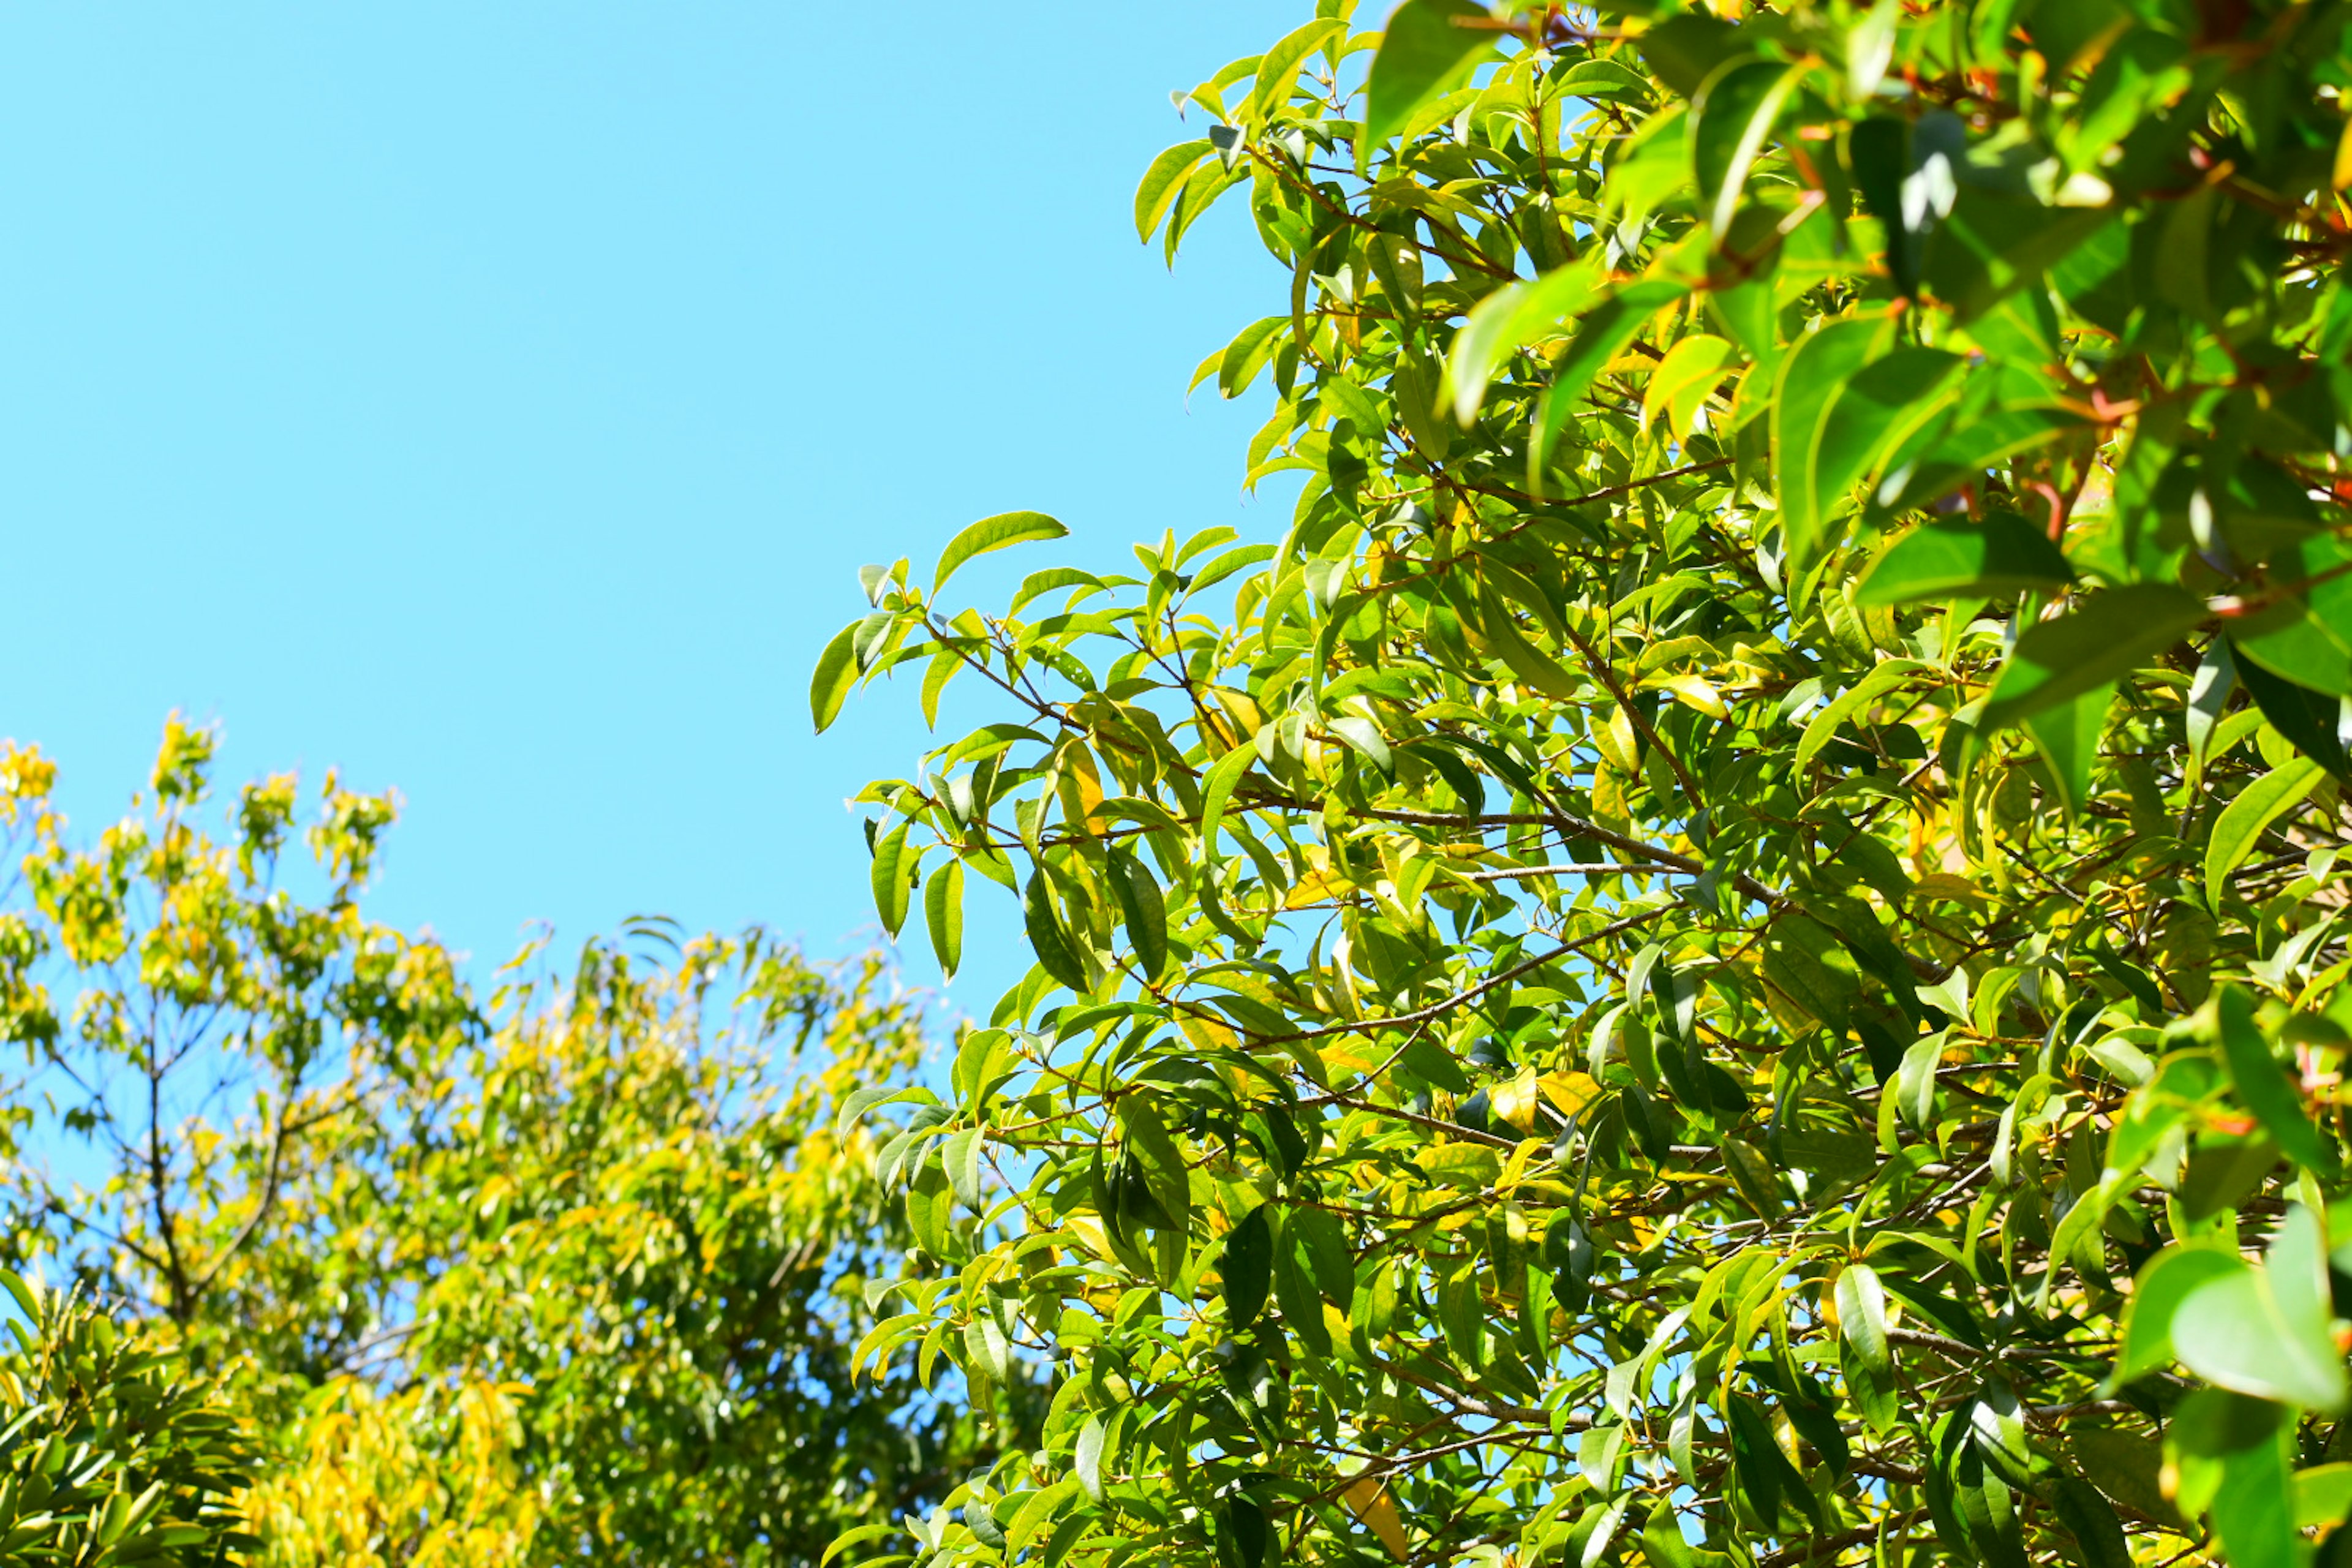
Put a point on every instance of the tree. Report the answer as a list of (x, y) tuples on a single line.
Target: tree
[(575, 1269), (1732, 951), (109, 1451)]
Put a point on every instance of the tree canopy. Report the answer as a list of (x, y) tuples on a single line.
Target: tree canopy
[(570, 1270), (1731, 950)]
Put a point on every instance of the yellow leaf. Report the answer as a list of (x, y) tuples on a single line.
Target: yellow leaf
[(1515, 1101), (1945, 885), (1317, 887), (1684, 378), (1369, 1501), (1089, 1228), (1569, 1092), (1695, 692), (1514, 1169)]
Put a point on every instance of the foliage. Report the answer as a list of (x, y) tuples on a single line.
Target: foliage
[(1733, 950), (575, 1269), (109, 1453)]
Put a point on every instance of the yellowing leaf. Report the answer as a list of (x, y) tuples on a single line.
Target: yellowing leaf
[(1515, 1101), (1683, 380), (1369, 1501), (1569, 1092)]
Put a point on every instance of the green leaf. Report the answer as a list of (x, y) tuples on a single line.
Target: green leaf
[(836, 672), (1142, 907), (961, 1154), (1163, 181), (930, 1207), (994, 533), (2068, 734), (2233, 1332), (2166, 1281), (1883, 678), (1811, 378), (1217, 792), (2254, 1511), (1999, 557), (1277, 69), (892, 879), (1055, 954), (2323, 1495), (2306, 717), (1423, 53), (1731, 117), (2246, 818), (2098, 1533), (1684, 379), (1248, 1268), (943, 915), (1507, 321), (2108, 635), (2261, 1084), (2125, 1466), (1686, 50), (1163, 1167), (1600, 336), (988, 1351), (1086, 1458), (1862, 1316)]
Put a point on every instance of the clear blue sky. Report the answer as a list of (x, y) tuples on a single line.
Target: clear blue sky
[(497, 401)]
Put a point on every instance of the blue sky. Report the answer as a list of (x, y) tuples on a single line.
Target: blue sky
[(497, 402)]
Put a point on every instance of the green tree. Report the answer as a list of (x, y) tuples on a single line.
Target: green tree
[(572, 1271), (1732, 951), (109, 1451)]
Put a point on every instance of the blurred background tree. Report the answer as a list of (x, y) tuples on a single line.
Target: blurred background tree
[(575, 1270)]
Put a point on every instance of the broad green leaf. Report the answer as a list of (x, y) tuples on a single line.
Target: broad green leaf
[(892, 876), (1862, 1315), (1424, 51), (1087, 1458), (2261, 1084), (1731, 117), (2164, 1284), (1055, 954), (2231, 1332), (1217, 792), (943, 915), (1998, 557), (836, 672), (2097, 1533), (1143, 907), (2253, 1510), (1811, 378), (1277, 68), (1148, 1141), (1509, 320), (2247, 817), (994, 533), (2306, 717), (1600, 336), (2068, 734), (990, 1353), (1247, 1266), (1883, 678), (2323, 1495), (960, 1155), (2125, 1466), (2105, 636), (1163, 182)]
